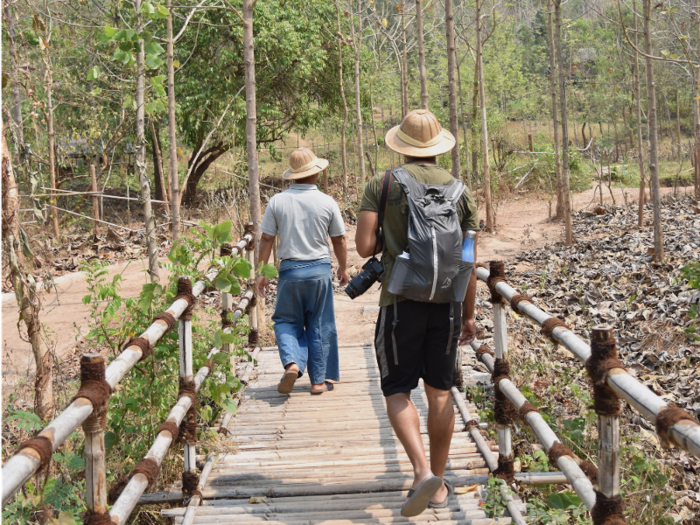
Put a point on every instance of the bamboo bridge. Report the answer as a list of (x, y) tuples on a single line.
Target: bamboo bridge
[(333, 459)]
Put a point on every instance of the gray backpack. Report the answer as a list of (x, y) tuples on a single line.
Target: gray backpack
[(431, 270)]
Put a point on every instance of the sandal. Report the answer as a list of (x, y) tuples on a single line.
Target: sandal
[(286, 384), (443, 505), (419, 499), (329, 387)]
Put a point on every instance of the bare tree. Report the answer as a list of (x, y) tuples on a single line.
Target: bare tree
[(421, 56), (357, 43), (653, 136), (696, 112), (158, 176), (640, 149), (484, 122), (144, 182), (452, 74), (251, 118), (24, 287), (467, 172), (16, 93), (568, 234), (172, 124), (343, 129), (404, 64), (555, 119)]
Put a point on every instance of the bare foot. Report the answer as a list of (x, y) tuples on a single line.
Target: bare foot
[(440, 495), (292, 366)]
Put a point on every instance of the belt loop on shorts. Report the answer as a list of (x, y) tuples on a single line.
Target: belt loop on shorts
[(393, 329), (452, 328)]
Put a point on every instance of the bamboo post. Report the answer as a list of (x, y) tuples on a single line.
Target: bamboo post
[(94, 450), (226, 303), (95, 201), (187, 374), (500, 336), (253, 310), (608, 430)]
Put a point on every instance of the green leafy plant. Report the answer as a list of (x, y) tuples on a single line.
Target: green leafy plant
[(692, 272), (495, 501)]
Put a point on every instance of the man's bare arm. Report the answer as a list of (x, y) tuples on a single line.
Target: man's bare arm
[(366, 234), (266, 242), (340, 248)]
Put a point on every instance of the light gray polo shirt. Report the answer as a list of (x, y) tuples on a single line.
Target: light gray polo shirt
[(304, 218)]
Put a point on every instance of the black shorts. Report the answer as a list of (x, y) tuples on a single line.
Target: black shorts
[(421, 344)]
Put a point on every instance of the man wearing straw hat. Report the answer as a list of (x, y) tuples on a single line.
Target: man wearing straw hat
[(414, 339), (304, 318)]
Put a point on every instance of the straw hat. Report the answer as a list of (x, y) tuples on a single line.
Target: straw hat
[(420, 135), (304, 163)]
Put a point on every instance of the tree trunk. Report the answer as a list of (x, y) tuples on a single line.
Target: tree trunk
[(475, 105), (653, 144), (484, 123), (158, 176), (452, 81), (144, 182), (16, 93), (343, 129), (174, 180), (467, 171), (568, 234), (205, 159), (696, 111), (251, 120), (640, 149), (53, 212), (678, 122), (555, 119), (421, 56), (357, 43), (25, 288), (374, 125), (404, 65)]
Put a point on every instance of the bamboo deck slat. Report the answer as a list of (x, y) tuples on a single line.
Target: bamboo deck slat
[(331, 459)]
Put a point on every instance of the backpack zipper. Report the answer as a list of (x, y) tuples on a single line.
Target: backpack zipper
[(435, 262)]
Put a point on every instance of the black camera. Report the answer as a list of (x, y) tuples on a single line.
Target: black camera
[(372, 272)]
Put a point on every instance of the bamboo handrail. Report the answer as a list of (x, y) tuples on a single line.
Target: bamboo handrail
[(685, 434), (575, 476), (24, 464)]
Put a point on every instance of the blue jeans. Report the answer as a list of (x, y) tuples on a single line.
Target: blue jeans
[(305, 319)]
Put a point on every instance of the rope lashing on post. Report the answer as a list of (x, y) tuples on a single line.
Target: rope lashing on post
[(97, 519), (517, 299), (603, 359), (550, 324), (251, 304), (526, 409), (190, 481), (497, 274), (225, 321), (147, 466), (42, 446), (668, 417), (480, 265), (506, 468), (483, 349), (170, 426), (472, 423), (504, 411), (184, 291), (142, 344), (168, 318), (226, 250), (253, 338), (188, 427), (608, 511), (559, 449), (95, 388)]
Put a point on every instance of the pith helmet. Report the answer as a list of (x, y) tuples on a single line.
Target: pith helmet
[(303, 163), (420, 135)]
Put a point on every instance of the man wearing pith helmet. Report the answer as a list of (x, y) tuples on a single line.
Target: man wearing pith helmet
[(304, 218), (418, 339)]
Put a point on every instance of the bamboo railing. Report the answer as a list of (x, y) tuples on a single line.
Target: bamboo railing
[(36, 453), (611, 383)]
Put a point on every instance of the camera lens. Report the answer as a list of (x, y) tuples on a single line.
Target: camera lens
[(351, 291)]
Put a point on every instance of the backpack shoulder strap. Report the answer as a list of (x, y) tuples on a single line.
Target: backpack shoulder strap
[(386, 182), (455, 191)]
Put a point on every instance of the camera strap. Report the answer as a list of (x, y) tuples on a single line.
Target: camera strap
[(386, 182)]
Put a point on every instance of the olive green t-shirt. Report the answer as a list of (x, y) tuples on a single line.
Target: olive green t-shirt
[(396, 215)]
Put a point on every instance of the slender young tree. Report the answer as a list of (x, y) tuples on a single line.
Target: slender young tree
[(251, 118), (484, 122), (452, 80), (172, 124), (555, 119), (467, 172), (25, 288), (653, 136), (357, 43), (696, 112), (568, 234), (343, 129), (421, 56), (640, 149), (404, 64), (144, 182)]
